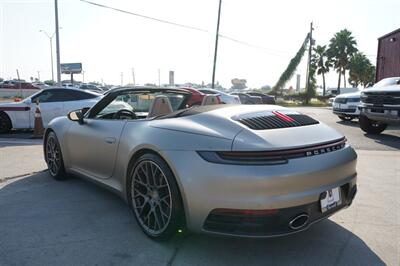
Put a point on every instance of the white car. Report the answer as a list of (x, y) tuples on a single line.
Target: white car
[(345, 105), (225, 98), (52, 103)]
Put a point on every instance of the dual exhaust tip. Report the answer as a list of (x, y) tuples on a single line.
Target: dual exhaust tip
[(299, 221)]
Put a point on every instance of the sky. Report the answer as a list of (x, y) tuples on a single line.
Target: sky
[(109, 43)]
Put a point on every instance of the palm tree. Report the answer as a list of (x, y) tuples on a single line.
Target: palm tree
[(362, 72), (341, 48), (322, 63)]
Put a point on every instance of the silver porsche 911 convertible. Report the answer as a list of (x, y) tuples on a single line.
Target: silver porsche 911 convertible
[(242, 170)]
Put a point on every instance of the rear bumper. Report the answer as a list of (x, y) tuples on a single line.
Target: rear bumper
[(292, 187), (278, 224)]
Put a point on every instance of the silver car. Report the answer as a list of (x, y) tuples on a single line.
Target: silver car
[(242, 170)]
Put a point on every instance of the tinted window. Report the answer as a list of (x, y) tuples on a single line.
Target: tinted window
[(44, 97), (73, 95)]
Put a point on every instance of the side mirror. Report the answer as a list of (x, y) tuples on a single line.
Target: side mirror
[(84, 110), (76, 116)]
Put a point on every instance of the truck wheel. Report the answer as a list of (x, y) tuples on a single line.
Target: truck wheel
[(345, 118), (370, 126), (5, 123)]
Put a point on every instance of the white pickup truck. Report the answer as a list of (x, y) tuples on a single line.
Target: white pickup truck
[(380, 106)]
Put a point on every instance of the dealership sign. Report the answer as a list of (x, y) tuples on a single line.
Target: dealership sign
[(71, 68)]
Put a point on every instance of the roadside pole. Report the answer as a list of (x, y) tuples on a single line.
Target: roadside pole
[(19, 83), (57, 43), (216, 46), (309, 57), (133, 77)]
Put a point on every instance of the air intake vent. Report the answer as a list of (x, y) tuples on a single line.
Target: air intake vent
[(278, 120)]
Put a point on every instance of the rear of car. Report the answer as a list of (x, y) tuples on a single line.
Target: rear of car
[(273, 172), (345, 106), (225, 98), (266, 99)]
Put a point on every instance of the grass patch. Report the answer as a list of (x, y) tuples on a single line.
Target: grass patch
[(313, 103)]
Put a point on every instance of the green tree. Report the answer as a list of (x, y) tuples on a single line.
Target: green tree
[(362, 72), (291, 68), (341, 48), (49, 82), (322, 63), (1, 79)]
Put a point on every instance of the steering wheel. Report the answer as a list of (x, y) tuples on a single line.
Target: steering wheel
[(125, 113)]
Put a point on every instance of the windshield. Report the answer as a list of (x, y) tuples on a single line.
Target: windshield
[(387, 82), (140, 102)]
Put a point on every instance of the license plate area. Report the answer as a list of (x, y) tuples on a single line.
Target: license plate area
[(330, 199)]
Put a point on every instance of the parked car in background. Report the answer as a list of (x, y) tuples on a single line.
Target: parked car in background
[(345, 106), (41, 85), (247, 99), (380, 106), (225, 97), (238, 170), (196, 97), (266, 99), (90, 87), (53, 102), (15, 84)]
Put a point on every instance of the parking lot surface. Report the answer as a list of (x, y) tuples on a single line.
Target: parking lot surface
[(45, 222)]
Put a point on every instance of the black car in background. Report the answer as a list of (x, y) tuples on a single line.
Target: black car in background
[(248, 99), (266, 99)]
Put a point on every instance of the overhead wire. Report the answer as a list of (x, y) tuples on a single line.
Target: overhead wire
[(268, 50)]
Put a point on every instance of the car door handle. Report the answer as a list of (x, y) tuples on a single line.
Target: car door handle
[(110, 140)]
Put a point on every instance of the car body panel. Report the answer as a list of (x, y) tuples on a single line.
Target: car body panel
[(385, 107), (346, 104), (205, 185), (22, 114)]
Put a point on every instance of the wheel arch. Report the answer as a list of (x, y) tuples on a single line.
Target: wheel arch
[(8, 117), (136, 155)]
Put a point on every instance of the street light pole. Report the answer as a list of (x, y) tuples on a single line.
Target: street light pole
[(216, 46), (57, 43), (51, 51)]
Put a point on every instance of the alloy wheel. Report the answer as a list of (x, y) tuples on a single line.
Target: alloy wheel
[(53, 156), (151, 197)]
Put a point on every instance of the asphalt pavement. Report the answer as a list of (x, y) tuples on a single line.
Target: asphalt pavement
[(73, 222)]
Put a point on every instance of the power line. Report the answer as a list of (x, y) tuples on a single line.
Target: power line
[(270, 51), (147, 17)]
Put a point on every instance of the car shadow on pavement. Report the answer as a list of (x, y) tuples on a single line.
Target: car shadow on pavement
[(385, 139), (73, 222)]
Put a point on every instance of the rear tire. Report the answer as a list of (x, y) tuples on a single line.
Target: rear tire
[(54, 158), (5, 123), (155, 198), (370, 126)]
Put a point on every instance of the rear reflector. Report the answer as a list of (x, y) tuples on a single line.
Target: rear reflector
[(240, 212)]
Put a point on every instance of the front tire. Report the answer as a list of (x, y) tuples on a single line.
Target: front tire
[(155, 198), (53, 157), (5, 123), (370, 126)]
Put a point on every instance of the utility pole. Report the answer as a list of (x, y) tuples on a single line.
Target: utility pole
[(122, 78), (38, 75), (133, 77), (216, 46), (19, 83), (159, 82), (51, 51), (57, 43), (309, 57), (83, 76)]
